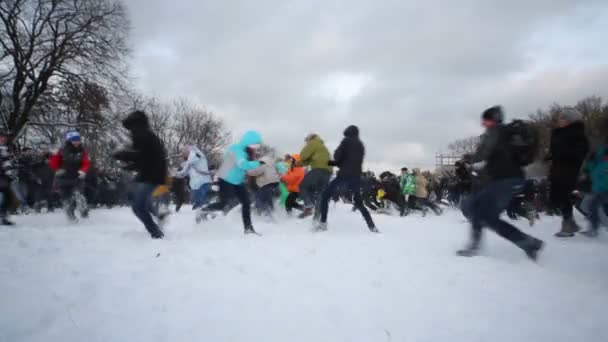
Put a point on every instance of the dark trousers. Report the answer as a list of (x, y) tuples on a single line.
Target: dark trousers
[(144, 209), (264, 198), (598, 201), (561, 198), (227, 193), (484, 207), (313, 185), (354, 184), (67, 187), (291, 202), (425, 202), (5, 198)]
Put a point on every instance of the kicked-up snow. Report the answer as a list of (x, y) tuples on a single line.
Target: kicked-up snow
[(105, 280)]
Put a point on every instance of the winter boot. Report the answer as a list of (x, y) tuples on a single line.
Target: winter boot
[(320, 227), (591, 233), (471, 250), (531, 246), (308, 211), (6, 222), (157, 235), (569, 228), (373, 229), (249, 230)]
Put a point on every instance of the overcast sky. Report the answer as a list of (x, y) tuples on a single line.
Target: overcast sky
[(413, 75)]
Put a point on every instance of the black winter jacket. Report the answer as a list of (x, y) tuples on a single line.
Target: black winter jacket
[(569, 148), (349, 155), (147, 154), (494, 150)]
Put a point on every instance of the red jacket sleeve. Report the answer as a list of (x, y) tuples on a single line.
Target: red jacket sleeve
[(55, 161), (86, 163)]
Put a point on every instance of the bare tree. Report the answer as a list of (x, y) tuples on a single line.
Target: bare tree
[(197, 126), (464, 146), (45, 41), (181, 122)]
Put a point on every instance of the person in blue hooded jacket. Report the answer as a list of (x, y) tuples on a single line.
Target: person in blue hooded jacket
[(232, 174), (597, 167)]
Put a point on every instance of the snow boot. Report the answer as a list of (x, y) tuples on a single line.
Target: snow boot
[(591, 233), (6, 222), (468, 252), (569, 228), (373, 229), (320, 227), (471, 250), (158, 235), (308, 211), (249, 230), (531, 246)]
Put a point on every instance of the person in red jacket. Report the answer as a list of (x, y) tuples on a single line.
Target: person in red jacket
[(71, 164)]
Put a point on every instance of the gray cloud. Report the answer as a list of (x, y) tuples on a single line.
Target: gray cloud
[(413, 75)]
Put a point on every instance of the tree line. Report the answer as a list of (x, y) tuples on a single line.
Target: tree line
[(63, 66), (595, 116)]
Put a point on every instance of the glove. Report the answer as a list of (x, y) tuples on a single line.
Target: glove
[(262, 163), (60, 172), (82, 174)]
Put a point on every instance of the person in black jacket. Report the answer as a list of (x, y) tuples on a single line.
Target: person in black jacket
[(569, 148), (504, 177), (148, 157), (349, 158)]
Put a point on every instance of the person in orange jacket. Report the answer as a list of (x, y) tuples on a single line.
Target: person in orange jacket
[(292, 180)]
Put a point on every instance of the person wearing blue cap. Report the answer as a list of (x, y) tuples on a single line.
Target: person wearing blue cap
[(71, 164)]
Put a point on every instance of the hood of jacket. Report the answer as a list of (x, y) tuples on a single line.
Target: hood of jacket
[(136, 120), (250, 138), (351, 132)]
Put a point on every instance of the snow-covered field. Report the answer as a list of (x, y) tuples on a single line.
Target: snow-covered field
[(106, 280)]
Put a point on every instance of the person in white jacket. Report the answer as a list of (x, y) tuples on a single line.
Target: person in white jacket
[(267, 179), (197, 169)]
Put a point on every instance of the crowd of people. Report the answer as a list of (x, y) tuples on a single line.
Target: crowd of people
[(484, 184)]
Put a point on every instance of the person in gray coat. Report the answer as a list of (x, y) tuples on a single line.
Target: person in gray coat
[(267, 179)]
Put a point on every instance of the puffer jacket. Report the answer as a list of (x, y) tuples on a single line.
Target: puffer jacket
[(316, 155), (236, 164), (349, 155), (597, 166), (408, 184), (70, 159), (294, 176), (569, 148), (421, 184), (265, 174), (196, 168)]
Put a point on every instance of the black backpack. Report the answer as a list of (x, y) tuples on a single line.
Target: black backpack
[(523, 142)]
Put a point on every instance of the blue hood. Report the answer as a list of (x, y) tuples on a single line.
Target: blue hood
[(250, 138)]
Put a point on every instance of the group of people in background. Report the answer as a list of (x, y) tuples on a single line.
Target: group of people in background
[(484, 185)]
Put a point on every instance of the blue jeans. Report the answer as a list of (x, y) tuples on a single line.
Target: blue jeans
[(143, 207), (597, 203), (264, 198), (485, 206), (354, 185), (199, 196)]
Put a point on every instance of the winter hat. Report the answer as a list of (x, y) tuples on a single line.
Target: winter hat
[(72, 136), (493, 113), (571, 114)]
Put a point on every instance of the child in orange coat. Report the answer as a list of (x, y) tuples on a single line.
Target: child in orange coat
[(292, 180)]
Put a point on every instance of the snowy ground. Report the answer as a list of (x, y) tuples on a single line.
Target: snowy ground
[(105, 280)]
